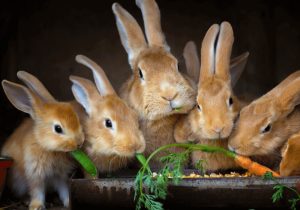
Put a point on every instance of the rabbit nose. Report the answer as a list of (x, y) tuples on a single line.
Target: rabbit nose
[(218, 129), (170, 98), (139, 148)]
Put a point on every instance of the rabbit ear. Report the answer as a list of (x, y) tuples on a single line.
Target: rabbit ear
[(287, 94), (223, 51), (101, 80), (151, 17), (35, 85), (20, 97), (237, 66), (84, 92), (208, 53), (191, 60), (130, 32)]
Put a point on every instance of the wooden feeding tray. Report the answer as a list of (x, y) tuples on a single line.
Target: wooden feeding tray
[(191, 193)]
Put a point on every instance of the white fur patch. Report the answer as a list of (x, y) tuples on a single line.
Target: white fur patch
[(165, 85)]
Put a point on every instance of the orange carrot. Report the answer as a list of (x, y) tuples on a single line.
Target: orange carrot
[(253, 167)]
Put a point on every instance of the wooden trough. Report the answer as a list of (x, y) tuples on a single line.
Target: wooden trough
[(200, 193)]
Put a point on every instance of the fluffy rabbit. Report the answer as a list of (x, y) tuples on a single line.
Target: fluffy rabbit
[(290, 163), (212, 121), (266, 124), (156, 90), (110, 126), (39, 145)]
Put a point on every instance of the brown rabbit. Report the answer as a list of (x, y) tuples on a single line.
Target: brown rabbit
[(212, 121), (266, 124), (290, 163), (111, 127), (39, 145), (156, 90)]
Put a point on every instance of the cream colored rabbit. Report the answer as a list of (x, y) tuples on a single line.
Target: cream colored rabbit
[(156, 90), (39, 145), (266, 124), (212, 121), (111, 127)]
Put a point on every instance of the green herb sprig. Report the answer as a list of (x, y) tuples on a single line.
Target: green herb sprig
[(279, 190), (171, 172)]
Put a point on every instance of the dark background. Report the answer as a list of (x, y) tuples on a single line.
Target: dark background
[(43, 37)]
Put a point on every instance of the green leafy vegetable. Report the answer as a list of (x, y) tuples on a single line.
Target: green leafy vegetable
[(279, 190), (85, 162), (171, 172)]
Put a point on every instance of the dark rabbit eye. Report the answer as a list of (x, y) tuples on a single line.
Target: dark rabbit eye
[(230, 101), (267, 128), (199, 107), (141, 74), (108, 123), (58, 129)]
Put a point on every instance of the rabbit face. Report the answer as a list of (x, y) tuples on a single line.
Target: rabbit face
[(216, 111), (60, 128), (114, 131), (160, 89), (255, 132)]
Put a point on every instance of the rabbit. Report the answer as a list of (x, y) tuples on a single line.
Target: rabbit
[(111, 127), (290, 163), (212, 120), (265, 125), (156, 89), (40, 144)]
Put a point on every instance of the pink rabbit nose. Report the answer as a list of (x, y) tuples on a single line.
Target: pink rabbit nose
[(170, 98), (218, 129)]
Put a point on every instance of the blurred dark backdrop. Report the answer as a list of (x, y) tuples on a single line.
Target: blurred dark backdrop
[(43, 37)]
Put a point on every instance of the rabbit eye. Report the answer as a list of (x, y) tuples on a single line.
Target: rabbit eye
[(58, 129), (267, 128), (230, 101), (141, 74), (108, 123), (199, 107)]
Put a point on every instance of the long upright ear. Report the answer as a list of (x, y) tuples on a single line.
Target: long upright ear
[(287, 93), (101, 80), (84, 92), (223, 51), (208, 53), (21, 97), (130, 32), (191, 60), (237, 66), (151, 17), (35, 85)]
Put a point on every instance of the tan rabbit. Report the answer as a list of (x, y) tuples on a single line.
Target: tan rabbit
[(266, 124), (111, 127), (39, 145), (290, 163), (156, 90), (212, 121)]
